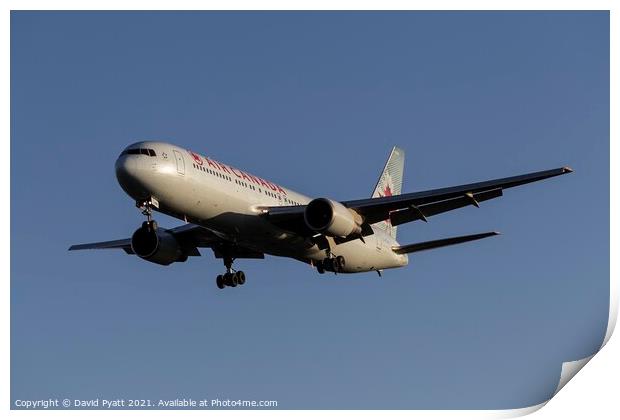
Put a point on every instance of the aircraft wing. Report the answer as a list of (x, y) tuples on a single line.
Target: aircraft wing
[(443, 199), (190, 237), (200, 237), (124, 244), (405, 208)]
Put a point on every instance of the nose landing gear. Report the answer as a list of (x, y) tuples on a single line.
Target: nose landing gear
[(231, 278), (147, 209)]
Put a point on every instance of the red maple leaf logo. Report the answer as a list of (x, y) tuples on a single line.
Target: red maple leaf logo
[(387, 192), (196, 157)]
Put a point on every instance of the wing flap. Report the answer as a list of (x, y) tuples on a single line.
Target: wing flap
[(399, 217), (193, 236), (289, 218)]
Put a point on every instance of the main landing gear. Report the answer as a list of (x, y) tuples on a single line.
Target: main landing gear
[(335, 264), (231, 278)]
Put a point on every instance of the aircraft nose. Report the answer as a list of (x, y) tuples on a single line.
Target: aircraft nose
[(128, 174), (125, 168)]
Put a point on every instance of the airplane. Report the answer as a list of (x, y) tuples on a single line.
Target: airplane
[(239, 215)]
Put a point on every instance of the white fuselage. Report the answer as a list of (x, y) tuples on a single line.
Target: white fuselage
[(229, 202)]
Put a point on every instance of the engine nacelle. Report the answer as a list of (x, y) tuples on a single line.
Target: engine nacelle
[(157, 246), (332, 218)]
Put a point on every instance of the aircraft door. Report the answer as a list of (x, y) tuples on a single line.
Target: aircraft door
[(180, 162)]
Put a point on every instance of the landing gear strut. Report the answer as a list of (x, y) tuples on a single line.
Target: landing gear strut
[(231, 278), (147, 209)]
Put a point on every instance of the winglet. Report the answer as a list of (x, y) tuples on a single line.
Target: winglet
[(567, 169)]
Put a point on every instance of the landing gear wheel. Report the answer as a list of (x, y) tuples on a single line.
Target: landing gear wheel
[(319, 267), (240, 278), (150, 225), (232, 278), (219, 280)]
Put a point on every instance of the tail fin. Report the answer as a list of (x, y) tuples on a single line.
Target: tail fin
[(390, 183)]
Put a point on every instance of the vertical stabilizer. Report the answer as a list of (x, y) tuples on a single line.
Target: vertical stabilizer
[(390, 183)]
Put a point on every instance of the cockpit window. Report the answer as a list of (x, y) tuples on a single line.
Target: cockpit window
[(147, 152)]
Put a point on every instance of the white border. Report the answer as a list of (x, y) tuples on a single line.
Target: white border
[(573, 407)]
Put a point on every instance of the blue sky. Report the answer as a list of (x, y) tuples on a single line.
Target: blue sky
[(313, 101)]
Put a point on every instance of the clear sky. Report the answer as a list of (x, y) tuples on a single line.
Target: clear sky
[(313, 101)]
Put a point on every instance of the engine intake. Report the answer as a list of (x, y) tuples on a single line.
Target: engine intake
[(331, 217), (157, 246)]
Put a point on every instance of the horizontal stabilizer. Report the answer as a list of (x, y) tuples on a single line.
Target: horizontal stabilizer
[(423, 246)]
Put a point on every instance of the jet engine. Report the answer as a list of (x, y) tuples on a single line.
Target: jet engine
[(157, 246), (332, 218)]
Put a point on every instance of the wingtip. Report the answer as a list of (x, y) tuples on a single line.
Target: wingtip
[(497, 233), (567, 169)]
